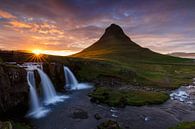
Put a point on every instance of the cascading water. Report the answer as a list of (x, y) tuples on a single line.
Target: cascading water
[(36, 110), (71, 81), (48, 88), (50, 96), (34, 101)]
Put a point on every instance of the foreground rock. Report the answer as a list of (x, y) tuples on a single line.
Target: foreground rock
[(79, 114), (13, 91), (5, 125)]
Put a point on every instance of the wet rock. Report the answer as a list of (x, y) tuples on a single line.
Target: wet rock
[(56, 73), (109, 125), (13, 91), (97, 116), (79, 114)]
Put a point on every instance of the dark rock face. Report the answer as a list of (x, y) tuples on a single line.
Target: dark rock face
[(13, 91), (56, 73), (114, 31)]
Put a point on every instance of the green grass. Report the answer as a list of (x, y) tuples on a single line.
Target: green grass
[(185, 125), (169, 76), (21, 126), (120, 98)]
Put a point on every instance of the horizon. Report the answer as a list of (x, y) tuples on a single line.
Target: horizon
[(67, 27)]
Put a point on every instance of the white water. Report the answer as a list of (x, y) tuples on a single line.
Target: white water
[(185, 94), (34, 102), (50, 96), (36, 110), (71, 81)]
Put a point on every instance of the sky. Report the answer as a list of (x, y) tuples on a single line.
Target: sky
[(64, 27)]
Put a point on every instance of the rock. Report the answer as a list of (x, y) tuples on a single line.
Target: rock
[(5, 125), (79, 114), (13, 91), (109, 125), (97, 116), (56, 73)]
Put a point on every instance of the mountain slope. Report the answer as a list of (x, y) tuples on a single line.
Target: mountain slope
[(132, 63), (183, 55), (116, 45)]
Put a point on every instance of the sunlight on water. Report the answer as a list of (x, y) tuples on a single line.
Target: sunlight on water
[(39, 113), (56, 99)]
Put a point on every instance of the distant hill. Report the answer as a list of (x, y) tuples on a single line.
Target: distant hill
[(183, 54), (116, 45)]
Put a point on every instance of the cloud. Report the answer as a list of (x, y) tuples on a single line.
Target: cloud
[(7, 15), (76, 24), (17, 24)]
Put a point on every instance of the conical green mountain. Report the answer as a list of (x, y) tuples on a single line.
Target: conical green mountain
[(116, 45)]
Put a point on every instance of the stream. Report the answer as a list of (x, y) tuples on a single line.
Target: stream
[(179, 108)]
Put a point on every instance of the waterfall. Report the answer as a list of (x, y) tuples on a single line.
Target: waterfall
[(36, 110), (71, 81), (48, 88), (34, 101), (50, 95)]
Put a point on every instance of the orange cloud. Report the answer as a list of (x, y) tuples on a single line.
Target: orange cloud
[(18, 24), (6, 14)]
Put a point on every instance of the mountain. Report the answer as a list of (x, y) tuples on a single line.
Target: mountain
[(115, 45), (183, 54)]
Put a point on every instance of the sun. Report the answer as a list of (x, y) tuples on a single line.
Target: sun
[(37, 52)]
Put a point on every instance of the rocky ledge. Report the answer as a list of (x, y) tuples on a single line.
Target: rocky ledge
[(13, 91)]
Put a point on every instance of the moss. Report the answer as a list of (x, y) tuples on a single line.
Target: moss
[(6, 125), (120, 98), (109, 125), (185, 125), (18, 125)]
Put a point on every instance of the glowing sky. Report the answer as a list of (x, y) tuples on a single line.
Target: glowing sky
[(68, 26)]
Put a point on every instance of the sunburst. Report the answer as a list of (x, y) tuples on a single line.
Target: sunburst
[(37, 56)]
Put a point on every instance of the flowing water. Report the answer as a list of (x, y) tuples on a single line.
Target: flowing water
[(71, 81), (34, 101), (36, 110), (50, 95)]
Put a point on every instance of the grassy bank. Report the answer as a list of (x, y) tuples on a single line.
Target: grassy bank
[(120, 98), (185, 125)]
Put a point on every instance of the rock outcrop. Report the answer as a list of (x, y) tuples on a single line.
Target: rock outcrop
[(13, 91), (56, 73)]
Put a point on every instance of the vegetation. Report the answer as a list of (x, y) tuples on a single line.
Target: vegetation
[(109, 125), (185, 125), (120, 98)]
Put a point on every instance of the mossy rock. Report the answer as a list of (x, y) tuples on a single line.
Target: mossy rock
[(79, 114), (6, 125), (120, 98), (109, 125), (185, 125)]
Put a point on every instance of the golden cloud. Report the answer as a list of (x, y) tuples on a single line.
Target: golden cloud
[(5, 14), (18, 24)]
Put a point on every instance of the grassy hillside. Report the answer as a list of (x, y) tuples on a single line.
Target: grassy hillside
[(133, 65), (151, 68)]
